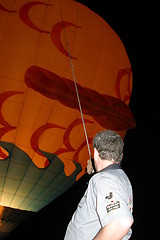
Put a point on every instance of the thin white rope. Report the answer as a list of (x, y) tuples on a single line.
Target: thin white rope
[(76, 88)]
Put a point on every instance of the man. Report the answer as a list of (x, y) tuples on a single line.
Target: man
[(105, 211)]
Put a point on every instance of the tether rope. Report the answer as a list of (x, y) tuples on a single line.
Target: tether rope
[(77, 93)]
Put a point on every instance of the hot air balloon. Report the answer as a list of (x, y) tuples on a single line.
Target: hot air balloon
[(60, 63)]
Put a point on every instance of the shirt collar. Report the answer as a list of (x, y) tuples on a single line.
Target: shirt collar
[(112, 166)]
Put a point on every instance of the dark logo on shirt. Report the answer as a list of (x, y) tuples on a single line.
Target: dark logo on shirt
[(110, 195), (113, 206)]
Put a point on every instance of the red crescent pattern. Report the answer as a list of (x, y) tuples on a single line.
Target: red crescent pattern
[(36, 135), (121, 73), (55, 35), (24, 15), (6, 126), (66, 141)]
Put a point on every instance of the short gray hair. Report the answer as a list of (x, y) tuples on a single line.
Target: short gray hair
[(109, 145)]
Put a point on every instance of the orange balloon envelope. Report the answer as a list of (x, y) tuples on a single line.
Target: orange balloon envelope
[(43, 49)]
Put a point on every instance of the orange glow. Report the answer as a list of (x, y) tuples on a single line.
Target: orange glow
[(1, 212)]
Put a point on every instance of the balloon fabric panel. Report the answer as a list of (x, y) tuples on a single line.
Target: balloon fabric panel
[(43, 149)]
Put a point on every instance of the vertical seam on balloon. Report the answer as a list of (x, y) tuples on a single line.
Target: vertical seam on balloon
[(9, 11), (97, 70), (37, 47)]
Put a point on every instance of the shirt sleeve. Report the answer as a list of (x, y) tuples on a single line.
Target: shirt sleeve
[(112, 201)]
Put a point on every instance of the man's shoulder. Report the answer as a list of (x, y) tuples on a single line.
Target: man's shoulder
[(102, 176), (109, 176)]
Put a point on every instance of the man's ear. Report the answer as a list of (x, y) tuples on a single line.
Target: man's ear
[(96, 154)]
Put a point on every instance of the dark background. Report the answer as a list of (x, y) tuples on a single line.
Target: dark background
[(138, 27)]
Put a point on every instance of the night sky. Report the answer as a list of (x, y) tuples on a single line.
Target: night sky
[(138, 27)]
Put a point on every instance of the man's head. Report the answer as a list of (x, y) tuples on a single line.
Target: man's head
[(108, 146)]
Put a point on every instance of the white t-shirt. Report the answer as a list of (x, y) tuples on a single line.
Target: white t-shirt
[(108, 197)]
